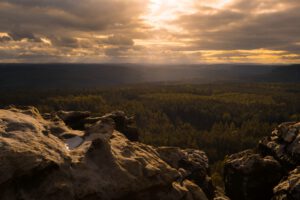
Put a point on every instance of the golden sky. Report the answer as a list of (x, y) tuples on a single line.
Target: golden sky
[(150, 31)]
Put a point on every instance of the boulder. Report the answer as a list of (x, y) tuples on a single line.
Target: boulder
[(250, 176), (74, 119), (271, 171), (124, 124), (192, 165), (289, 187), (283, 144)]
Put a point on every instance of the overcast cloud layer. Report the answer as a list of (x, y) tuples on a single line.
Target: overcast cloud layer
[(166, 31)]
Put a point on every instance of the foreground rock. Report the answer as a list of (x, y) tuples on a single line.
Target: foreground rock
[(251, 176), (45, 159), (289, 187), (191, 163), (269, 172)]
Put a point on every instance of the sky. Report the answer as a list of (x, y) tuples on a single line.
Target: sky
[(150, 31)]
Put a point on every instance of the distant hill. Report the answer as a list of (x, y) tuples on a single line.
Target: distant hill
[(60, 76), (55, 76), (284, 74)]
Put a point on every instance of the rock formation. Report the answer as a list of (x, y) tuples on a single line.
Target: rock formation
[(45, 158), (271, 171), (80, 120)]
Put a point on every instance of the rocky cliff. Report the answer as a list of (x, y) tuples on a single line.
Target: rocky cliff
[(76, 156), (271, 171)]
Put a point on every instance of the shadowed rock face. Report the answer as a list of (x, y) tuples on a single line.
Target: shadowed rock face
[(45, 159), (80, 120), (251, 176), (283, 144), (192, 164), (269, 172)]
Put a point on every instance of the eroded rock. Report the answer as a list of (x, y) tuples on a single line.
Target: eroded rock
[(256, 174), (83, 120), (250, 176), (124, 124), (192, 165), (74, 119), (45, 159), (283, 144), (289, 187)]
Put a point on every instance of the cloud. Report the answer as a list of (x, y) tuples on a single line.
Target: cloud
[(65, 42), (242, 26), (70, 14), (119, 40), (5, 39), (117, 30), (20, 35)]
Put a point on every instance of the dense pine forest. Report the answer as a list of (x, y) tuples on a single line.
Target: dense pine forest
[(219, 118)]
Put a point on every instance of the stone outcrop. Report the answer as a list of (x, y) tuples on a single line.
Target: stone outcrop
[(192, 164), (289, 187), (283, 144), (249, 175), (81, 120), (43, 158), (271, 171)]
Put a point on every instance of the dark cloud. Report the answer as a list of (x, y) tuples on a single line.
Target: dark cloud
[(119, 40), (210, 19), (90, 15), (19, 35), (46, 30), (62, 22), (5, 39), (65, 42), (246, 25)]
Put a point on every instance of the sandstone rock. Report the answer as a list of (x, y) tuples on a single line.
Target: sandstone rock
[(294, 149), (39, 162), (219, 195), (28, 157), (124, 124), (74, 119), (283, 145), (252, 174), (193, 165), (82, 120), (187, 190), (288, 188), (249, 176)]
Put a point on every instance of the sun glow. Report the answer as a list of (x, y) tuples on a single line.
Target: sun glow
[(163, 11), (3, 34), (221, 3)]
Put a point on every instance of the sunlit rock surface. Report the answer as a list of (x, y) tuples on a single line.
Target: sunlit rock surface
[(43, 158)]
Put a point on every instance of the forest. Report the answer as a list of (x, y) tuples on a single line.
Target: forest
[(219, 118)]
